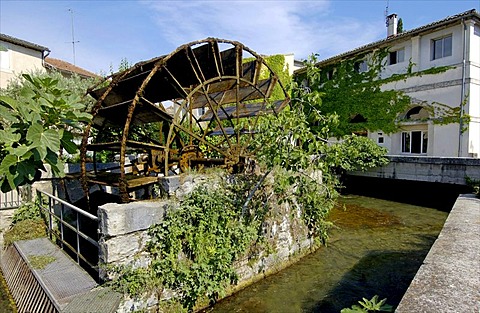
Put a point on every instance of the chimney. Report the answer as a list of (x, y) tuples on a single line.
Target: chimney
[(392, 22)]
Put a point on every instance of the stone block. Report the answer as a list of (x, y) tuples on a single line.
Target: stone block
[(122, 249), (170, 184), (119, 219)]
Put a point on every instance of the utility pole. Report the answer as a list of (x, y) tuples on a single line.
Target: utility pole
[(73, 36)]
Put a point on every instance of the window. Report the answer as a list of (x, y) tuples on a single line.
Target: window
[(380, 138), (395, 57), (4, 57), (476, 30), (361, 66), (442, 47), (330, 75), (201, 111), (414, 142)]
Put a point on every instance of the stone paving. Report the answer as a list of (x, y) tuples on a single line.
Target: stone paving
[(449, 279)]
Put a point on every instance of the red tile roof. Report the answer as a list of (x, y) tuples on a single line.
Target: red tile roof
[(68, 68)]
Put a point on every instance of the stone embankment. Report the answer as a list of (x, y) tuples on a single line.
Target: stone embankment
[(123, 230), (449, 279)]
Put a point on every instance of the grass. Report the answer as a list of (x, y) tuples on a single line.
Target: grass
[(24, 230), (39, 262)]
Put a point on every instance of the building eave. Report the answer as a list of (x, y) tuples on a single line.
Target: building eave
[(470, 14), (23, 43)]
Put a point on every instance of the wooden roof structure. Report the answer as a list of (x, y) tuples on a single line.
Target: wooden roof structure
[(204, 89)]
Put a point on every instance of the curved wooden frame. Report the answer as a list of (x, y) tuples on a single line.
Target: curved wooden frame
[(196, 75)]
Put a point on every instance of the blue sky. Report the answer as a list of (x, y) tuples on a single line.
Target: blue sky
[(108, 31)]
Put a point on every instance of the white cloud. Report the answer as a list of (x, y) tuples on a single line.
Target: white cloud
[(267, 27)]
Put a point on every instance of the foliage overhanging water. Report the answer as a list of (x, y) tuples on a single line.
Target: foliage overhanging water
[(376, 248)]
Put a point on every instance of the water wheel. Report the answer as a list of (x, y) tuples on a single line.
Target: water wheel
[(200, 105)]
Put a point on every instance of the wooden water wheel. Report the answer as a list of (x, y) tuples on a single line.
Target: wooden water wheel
[(203, 101)]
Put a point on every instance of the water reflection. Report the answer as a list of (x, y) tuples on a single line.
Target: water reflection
[(376, 248)]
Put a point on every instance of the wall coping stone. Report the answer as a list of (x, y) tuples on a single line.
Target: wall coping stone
[(449, 279), (119, 219)]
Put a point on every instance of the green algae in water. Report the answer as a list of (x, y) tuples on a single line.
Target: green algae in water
[(354, 216), (376, 249)]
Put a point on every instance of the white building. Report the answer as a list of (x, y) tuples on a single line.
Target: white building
[(19, 56), (453, 42)]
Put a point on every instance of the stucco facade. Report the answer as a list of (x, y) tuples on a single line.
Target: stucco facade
[(453, 42), (18, 56)]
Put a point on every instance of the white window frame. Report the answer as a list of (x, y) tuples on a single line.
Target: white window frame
[(442, 47), (201, 111), (407, 141), (399, 56)]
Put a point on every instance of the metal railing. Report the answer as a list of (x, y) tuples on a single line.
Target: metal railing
[(14, 198), (67, 224)]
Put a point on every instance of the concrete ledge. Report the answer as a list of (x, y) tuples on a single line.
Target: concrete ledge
[(449, 279), (428, 169)]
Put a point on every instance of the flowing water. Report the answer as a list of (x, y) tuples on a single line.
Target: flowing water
[(375, 249)]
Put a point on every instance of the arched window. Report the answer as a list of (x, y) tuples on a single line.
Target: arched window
[(358, 119), (417, 113)]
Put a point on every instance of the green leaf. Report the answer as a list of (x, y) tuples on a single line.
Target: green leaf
[(8, 102), (8, 137), (26, 170), (7, 162), (22, 151), (67, 142), (56, 164), (7, 115), (43, 139)]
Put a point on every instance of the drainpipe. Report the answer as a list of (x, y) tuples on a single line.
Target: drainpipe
[(44, 55), (462, 96)]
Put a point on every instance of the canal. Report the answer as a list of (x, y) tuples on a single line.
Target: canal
[(375, 248)]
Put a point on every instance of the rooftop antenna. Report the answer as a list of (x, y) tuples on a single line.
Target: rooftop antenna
[(73, 37), (386, 14)]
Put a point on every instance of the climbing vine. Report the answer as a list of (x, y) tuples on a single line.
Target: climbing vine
[(354, 96), (194, 249), (357, 97)]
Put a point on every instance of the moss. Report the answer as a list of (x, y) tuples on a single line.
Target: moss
[(7, 304), (24, 230), (39, 262), (354, 216)]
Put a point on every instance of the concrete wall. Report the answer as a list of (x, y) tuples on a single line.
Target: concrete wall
[(124, 233), (428, 169), (449, 279), (18, 60)]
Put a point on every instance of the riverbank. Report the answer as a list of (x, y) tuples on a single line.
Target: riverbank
[(449, 279), (376, 248)]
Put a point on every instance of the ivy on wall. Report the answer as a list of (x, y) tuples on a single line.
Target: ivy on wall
[(354, 96), (357, 98), (194, 249)]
